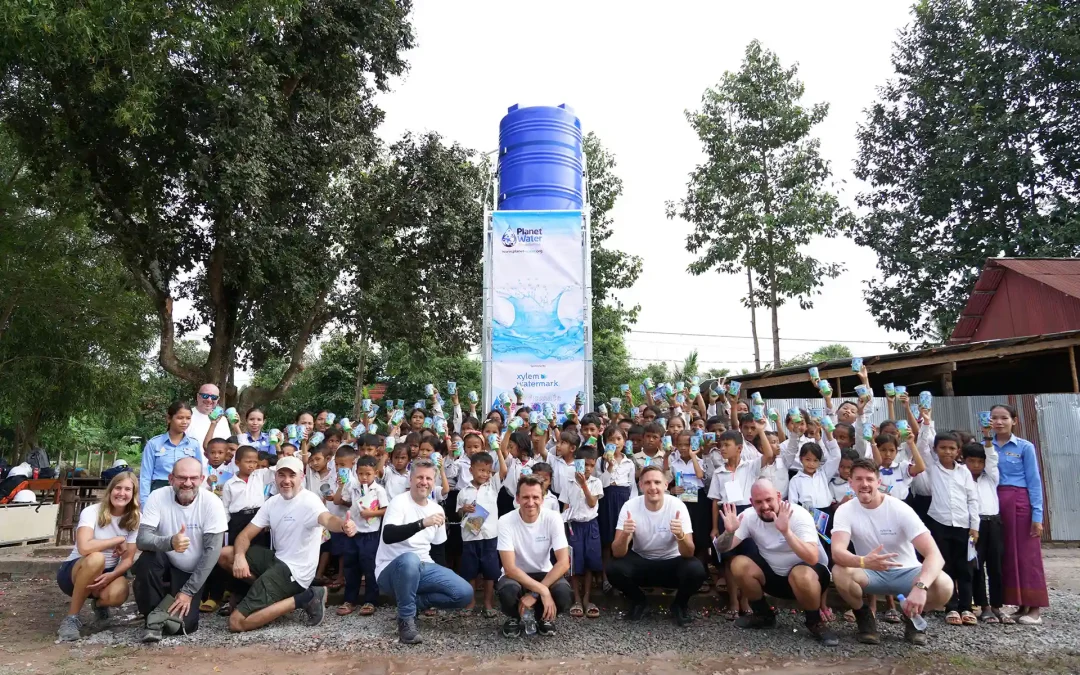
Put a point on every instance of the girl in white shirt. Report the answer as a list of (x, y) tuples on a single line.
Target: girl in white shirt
[(810, 486), (104, 551), (617, 472)]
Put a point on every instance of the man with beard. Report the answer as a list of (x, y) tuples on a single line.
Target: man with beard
[(663, 549), (789, 561), (886, 533), (280, 580), (527, 538), (180, 535)]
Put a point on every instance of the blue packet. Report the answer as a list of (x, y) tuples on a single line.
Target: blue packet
[(856, 364), (451, 388)]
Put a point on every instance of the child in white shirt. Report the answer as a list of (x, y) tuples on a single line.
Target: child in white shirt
[(366, 501), (395, 478), (478, 504), (582, 499), (810, 486), (982, 462)]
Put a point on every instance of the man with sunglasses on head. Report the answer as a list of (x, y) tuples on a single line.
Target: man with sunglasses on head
[(205, 400)]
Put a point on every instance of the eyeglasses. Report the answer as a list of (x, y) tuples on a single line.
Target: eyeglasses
[(209, 397)]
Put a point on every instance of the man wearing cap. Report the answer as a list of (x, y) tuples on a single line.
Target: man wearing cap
[(274, 583), (205, 400)]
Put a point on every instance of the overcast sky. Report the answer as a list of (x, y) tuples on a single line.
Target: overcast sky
[(630, 70)]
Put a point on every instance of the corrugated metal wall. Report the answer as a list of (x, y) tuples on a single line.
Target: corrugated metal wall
[(1050, 421)]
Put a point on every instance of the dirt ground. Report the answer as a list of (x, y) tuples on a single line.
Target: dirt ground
[(31, 610)]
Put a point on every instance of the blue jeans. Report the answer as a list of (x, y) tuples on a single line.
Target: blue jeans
[(420, 585)]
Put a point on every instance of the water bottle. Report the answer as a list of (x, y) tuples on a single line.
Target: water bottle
[(528, 620), (916, 619)]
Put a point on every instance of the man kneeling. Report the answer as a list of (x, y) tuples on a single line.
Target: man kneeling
[(527, 537), (789, 562), (281, 579)]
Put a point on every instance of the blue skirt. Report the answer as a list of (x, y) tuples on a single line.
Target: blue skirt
[(615, 497)]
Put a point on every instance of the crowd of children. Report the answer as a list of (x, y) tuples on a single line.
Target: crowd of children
[(711, 444)]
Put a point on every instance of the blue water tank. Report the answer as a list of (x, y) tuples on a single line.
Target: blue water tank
[(541, 162)]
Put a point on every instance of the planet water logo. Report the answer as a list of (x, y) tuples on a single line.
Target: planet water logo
[(524, 235)]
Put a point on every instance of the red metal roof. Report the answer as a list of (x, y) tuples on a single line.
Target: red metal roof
[(1061, 274)]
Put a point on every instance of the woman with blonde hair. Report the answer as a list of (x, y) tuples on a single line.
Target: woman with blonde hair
[(104, 550)]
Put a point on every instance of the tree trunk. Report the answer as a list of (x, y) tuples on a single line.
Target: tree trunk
[(753, 319), (773, 306), (361, 364)]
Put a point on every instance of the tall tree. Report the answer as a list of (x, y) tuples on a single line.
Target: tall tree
[(763, 191), (208, 137), (969, 154), (612, 270)]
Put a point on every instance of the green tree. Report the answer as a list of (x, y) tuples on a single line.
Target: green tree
[(72, 326), (969, 154), (823, 353), (763, 191), (208, 138), (612, 270)]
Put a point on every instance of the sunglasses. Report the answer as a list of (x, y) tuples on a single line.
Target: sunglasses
[(209, 397)]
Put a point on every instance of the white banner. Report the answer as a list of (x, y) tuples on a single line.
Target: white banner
[(538, 304)]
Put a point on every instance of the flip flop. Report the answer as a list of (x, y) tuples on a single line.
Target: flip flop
[(891, 616), (576, 611), (989, 617), (334, 585), (731, 614), (592, 611), (953, 618), (490, 612), (1005, 619), (849, 616), (968, 619), (208, 606), (367, 609), (346, 609)]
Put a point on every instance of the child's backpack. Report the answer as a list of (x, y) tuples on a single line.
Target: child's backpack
[(10, 486)]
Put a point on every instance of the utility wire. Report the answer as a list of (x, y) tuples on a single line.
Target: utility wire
[(765, 338)]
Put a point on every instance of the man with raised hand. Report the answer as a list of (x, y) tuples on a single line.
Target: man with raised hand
[(205, 401), (180, 535), (280, 580), (789, 561), (412, 524), (527, 537), (886, 533), (659, 527)]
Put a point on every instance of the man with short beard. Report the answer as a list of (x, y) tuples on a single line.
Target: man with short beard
[(180, 535), (280, 580), (789, 562)]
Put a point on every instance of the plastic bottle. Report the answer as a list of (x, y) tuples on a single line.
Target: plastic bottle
[(528, 620), (916, 619)]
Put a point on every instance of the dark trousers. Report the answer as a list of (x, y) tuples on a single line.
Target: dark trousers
[(218, 582), (990, 548), (629, 573), (953, 543), (510, 592), (359, 558), (155, 577)]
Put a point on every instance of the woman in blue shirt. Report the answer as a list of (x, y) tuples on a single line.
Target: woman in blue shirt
[(254, 436), (1020, 498), (161, 452)]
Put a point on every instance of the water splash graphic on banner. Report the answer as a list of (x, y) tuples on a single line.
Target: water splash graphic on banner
[(538, 332)]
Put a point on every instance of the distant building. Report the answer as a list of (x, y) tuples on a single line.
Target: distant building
[(1020, 297)]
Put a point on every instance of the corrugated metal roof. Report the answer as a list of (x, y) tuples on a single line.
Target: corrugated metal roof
[(1061, 274), (904, 356)]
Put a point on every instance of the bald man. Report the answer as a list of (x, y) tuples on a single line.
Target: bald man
[(789, 562), (208, 397), (180, 535)]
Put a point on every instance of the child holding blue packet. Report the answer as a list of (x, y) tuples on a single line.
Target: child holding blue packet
[(477, 505), (366, 502), (617, 475), (515, 453), (582, 498), (688, 484)]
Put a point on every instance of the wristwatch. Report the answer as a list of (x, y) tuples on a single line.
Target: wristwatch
[(920, 585)]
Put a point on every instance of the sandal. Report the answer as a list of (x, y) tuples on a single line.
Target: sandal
[(968, 619), (827, 614), (346, 609), (208, 606), (334, 585), (953, 618), (849, 616), (490, 612), (367, 609), (1005, 619), (431, 611), (988, 617), (731, 614), (576, 611), (592, 611), (891, 616)]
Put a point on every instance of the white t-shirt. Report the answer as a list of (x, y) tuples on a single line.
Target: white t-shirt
[(394, 482), (486, 496), (203, 517), (362, 497), (402, 510), (773, 546), (326, 486), (89, 518), (577, 508), (532, 543), (893, 525), (295, 532), (200, 422), (652, 538)]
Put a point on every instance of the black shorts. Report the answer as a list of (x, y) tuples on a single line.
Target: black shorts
[(778, 586)]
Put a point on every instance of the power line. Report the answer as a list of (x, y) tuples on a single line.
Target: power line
[(750, 337)]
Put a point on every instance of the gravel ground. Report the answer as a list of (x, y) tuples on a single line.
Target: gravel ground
[(1057, 638)]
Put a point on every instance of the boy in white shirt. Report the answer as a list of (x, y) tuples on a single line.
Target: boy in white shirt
[(478, 504), (810, 487), (321, 479), (982, 462), (216, 472), (395, 476), (543, 471), (582, 498), (366, 501), (954, 519), (896, 474)]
